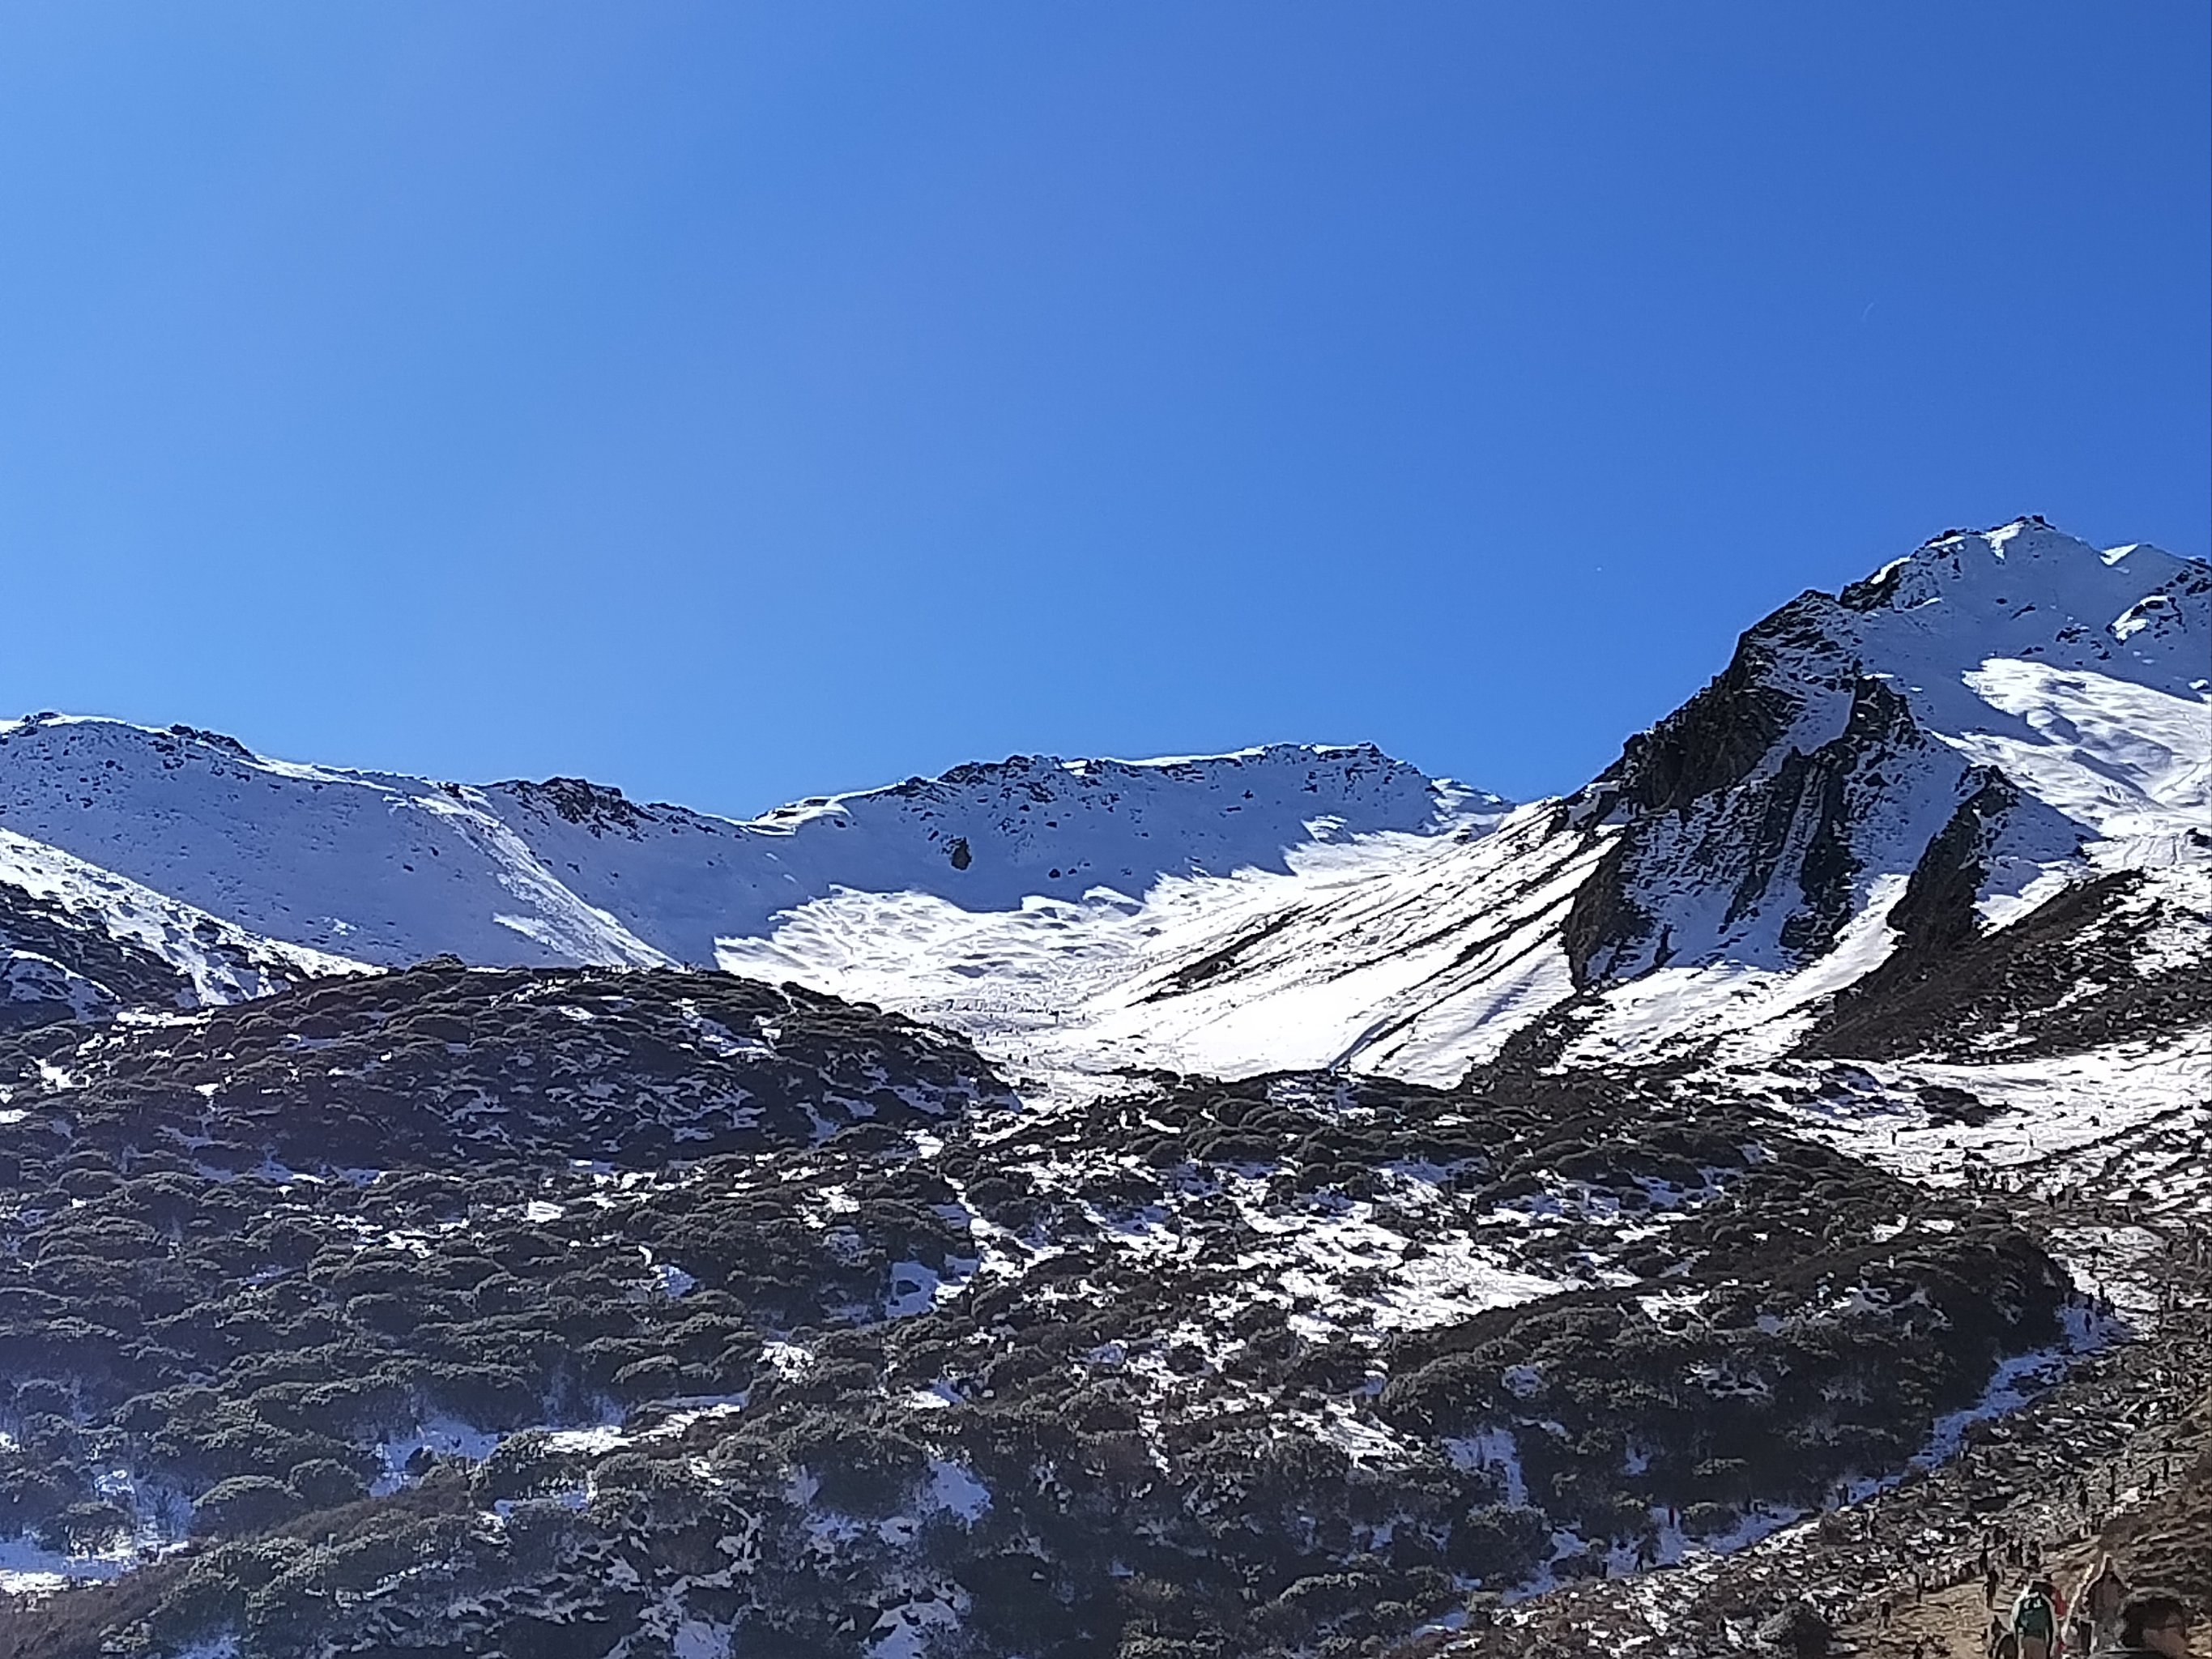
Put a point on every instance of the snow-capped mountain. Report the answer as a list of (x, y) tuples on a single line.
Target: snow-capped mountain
[(1937, 751), (1312, 1195), (1971, 679), (383, 870), (1943, 750)]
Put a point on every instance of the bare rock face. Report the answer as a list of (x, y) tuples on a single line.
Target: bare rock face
[(597, 807), (2080, 972), (1800, 773), (82, 952), (1717, 799), (1799, 1631)]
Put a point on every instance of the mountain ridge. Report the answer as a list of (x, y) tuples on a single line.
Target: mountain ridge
[(1948, 743), (1740, 862), (521, 873)]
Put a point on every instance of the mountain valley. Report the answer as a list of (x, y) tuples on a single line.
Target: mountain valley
[(1272, 1204)]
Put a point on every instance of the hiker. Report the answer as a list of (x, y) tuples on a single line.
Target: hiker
[(2097, 1602), (2035, 1619), (1990, 1582), (2155, 1624)]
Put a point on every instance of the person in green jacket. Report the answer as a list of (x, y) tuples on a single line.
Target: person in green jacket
[(2035, 1618)]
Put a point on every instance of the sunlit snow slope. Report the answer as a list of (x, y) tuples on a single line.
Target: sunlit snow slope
[(1406, 954), (1946, 748), (383, 869)]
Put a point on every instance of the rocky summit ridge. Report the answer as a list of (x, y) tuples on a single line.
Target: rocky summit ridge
[(1273, 1204)]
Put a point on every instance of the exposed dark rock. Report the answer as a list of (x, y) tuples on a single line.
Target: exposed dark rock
[(228, 745), (2070, 976), (127, 971), (1693, 817), (598, 806), (1603, 917), (1715, 740), (1799, 1630), (1937, 913)]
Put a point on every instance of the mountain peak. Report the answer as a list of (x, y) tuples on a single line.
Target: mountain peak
[(2027, 565)]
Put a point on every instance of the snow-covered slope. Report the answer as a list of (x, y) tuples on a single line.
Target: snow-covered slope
[(378, 868), (985, 837), (1941, 749), (1408, 955), (80, 940), (386, 869)]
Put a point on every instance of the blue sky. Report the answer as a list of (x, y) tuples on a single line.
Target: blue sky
[(739, 402)]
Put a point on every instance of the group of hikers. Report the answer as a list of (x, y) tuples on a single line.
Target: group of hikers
[(2104, 1615), (2104, 1618)]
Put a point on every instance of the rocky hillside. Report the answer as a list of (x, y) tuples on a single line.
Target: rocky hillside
[(439, 1312)]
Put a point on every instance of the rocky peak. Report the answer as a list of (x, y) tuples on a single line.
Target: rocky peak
[(1848, 732), (594, 806)]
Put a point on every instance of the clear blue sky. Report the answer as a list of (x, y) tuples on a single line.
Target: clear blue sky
[(735, 402)]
